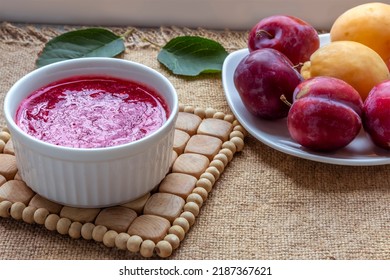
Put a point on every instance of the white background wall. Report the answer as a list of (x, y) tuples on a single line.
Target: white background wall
[(216, 14)]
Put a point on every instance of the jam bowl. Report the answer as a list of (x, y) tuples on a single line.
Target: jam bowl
[(90, 176)]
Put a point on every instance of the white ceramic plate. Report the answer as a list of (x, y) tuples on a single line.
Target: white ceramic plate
[(361, 151)]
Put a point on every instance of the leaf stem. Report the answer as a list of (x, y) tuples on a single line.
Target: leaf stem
[(128, 33), (151, 42)]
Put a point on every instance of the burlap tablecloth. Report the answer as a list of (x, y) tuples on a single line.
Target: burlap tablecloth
[(266, 205)]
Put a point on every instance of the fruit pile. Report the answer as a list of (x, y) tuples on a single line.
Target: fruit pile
[(327, 93)]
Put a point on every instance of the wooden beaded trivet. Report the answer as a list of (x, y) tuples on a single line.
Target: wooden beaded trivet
[(205, 142)]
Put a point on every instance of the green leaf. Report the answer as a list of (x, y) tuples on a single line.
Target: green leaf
[(90, 42), (192, 55)]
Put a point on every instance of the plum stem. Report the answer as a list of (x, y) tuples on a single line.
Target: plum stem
[(262, 31), (284, 99), (298, 66)]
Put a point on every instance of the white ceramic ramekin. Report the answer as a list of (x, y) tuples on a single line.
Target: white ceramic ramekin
[(92, 177)]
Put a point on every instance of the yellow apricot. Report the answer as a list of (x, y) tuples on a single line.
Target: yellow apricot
[(352, 62), (368, 24)]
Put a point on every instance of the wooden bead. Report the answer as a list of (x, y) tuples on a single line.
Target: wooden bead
[(236, 133), (219, 115), (180, 221), (192, 207), (163, 249), (178, 231), (218, 164), (5, 207), (189, 109), (215, 127), (181, 107), (194, 197), (86, 230), (209, 177), (9, 148), (180, 141), (223, 158), (2, 145), (51, 222), (116, 218), (228, 153), (147, 248), (210, 112), (174, 157), (173, 240), (40, 215), (202, 192), (138, 204), (6, 129), (230, 146), (75, 230), (98, 233), (134, 243), (235, 123), (204, 183), (241, 129), (8, 167), (213, 170), (121, 240), (189, 217), (239, 142), (229, 118), (178, 183), (16, 191), (17, 210), (109, 238), (18, 177), (63, 225), (28, 214), (188, 122), (5, 136), (166, 205), (192, 164), (2, 181), (82, 215), (151, 227), (41, 202), (200, 112), (204, 145)]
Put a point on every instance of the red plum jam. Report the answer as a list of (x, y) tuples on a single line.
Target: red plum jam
[(92, 112)]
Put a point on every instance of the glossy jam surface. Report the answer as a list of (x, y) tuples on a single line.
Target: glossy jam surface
[(92, 112)]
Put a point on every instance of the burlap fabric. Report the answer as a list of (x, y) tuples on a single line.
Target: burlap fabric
[(266, 205)]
